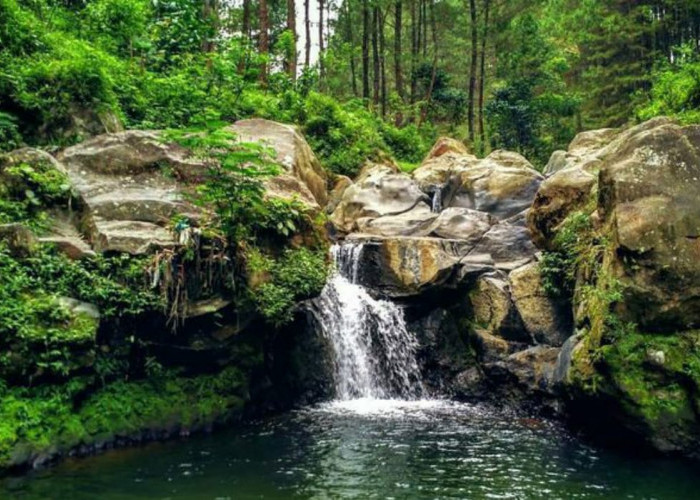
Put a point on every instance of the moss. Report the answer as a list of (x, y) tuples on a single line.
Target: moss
[(53, 419)]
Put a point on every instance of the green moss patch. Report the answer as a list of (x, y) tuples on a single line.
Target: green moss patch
[(51, 420)]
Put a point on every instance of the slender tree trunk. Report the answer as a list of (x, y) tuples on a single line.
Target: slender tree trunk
[(472, 69), (291, 61), (245, 28), (351, 41), (414, 49), (245, 33), (482, 70), (398, 74), (425, 28), (375, 57), (365, 49), (264, 42), (382, 51), (320, 39), (433, 73), (307, 29), (210, 14)]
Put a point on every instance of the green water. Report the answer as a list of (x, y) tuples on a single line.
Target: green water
[(367, 449)]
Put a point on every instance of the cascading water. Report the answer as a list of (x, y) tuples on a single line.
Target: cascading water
[(374, 353)]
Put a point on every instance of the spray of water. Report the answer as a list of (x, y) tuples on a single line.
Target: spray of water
[(374, 353)]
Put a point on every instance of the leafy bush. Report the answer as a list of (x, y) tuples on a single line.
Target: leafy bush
[(675, 92), (297, 275)]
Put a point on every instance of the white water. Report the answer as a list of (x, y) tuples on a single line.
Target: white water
[(373, 351), (436, 206)]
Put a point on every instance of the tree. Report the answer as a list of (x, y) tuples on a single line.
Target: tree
[(264, 41)]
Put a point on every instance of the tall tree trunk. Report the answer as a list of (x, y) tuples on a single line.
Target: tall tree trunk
[(382, 51), (425, 28), (375, 57), (320, 39), (307, 29), (414, 49), (482, 69), (398, 21), (210, 15), (245, 33), (433, 73), (350, 38), (472, 69), (365, 48), (291, 59), (264, 42), (245, 28)]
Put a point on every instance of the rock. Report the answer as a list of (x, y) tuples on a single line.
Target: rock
[(133, 237), (563, 193), (292, 153), (490, 348), (376, 193), (556, 163), (78, 307), (461, 224), (446, 145), (65, 237), (128, 196), (547, 320), (533, 368), (648, 199), (509, 246), (417, 221), (572, 184), (19, 239), (494, 310), (443, 350), (409, 266), (503, 184), (342, 183)]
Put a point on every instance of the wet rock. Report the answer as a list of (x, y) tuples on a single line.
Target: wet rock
[(547, 320), (494, 309)]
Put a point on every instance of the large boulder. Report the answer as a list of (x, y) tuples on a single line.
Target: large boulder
[(547, 320), (128, 185), (649, 197), (377, 192), (503, 184), (292, 153)]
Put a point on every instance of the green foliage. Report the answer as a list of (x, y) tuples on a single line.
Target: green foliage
[(675, 92), (346, 136), (531, 111), (10, 137), (28, 190), (297, 275), (118, 25), (572, 246), (57, 418)]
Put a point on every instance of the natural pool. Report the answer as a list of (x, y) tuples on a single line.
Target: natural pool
[(367, 449)]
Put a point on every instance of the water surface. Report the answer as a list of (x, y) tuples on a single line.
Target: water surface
[(367, 449)]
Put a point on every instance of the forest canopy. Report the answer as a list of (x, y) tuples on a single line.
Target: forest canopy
[(382, 76)]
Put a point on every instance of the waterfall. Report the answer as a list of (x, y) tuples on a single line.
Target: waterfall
[(373, 351), (436, 205)]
